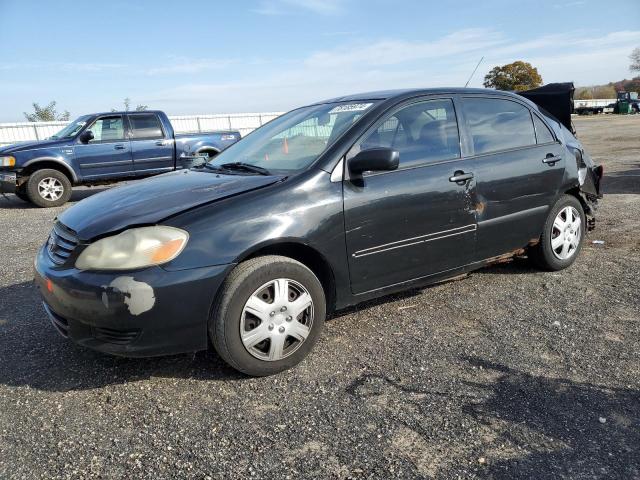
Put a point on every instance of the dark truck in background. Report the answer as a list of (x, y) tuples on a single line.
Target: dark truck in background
[(102, 148)]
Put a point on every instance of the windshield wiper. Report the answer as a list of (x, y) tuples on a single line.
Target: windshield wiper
[(247, 167)]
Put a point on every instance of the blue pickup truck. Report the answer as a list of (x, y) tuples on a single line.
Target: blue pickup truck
[(102, 148)]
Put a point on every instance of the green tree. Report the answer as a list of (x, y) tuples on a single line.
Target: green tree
[(46, 114), (513, 76), (635, 60)]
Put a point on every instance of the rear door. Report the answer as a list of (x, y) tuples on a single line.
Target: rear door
[(151, 147), (108, 154), (414, 221), (519, 169)]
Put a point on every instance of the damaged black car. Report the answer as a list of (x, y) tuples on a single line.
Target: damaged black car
[(324, 207)]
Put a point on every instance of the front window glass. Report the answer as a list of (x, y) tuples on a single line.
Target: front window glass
[(107, 129), (72, 129), (295, 140), (421, 132)]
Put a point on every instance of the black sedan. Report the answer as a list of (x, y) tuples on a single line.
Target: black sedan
[(324, 207)]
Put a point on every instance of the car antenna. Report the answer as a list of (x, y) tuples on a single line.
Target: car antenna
[(474, 71)]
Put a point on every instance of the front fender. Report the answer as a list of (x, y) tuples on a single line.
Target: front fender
[(60, 156)]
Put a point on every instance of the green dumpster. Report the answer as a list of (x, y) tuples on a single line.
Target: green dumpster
[(624, 107)]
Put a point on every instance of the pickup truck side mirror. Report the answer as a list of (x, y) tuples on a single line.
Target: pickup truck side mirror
[(86, 136), (375, 159)]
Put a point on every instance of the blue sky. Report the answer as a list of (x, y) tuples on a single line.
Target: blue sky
[(270, 55)]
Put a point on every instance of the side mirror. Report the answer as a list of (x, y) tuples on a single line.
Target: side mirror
[(86, 136), (375, 159)]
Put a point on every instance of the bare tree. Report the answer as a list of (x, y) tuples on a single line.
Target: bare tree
[(635, 60)]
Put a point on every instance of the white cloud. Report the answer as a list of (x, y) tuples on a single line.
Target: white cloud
[(579, 56), (184, 65), (285, 7)]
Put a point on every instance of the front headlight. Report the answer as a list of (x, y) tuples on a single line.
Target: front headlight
[(134, 248), (7, 161)]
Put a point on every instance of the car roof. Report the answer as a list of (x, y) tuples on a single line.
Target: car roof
[(409, 92), (122, 112)]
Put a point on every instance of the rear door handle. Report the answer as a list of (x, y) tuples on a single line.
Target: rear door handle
[(119, 147), (551, 159), (460, 177), (160, 143)]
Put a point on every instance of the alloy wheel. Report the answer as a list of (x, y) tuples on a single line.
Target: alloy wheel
[(51, 189)]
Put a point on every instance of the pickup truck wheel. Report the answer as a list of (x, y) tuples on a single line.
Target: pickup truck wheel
[(48, 188), (268, 316), (563, 235)]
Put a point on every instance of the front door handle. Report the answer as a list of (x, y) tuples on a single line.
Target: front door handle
[(160, 143), (119, 147), (460, 177), (551, 159)]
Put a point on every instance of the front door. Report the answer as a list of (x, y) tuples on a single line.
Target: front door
[(418, 220), (108, 154), (519, 168), (152, 151)]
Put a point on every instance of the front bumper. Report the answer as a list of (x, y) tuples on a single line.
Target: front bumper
[(8, 182), (143, 313)]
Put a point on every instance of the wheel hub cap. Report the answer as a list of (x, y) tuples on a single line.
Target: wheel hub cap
[(566, 233), (276, 319), (50, 188)]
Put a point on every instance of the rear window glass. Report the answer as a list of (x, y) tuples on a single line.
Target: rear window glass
[(543, 134), (498, 124), (145, 126)]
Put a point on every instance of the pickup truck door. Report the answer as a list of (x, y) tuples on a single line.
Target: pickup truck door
[(109, 153), (418, 220), (151, 146)]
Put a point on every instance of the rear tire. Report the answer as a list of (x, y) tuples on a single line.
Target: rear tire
[(48, 188), (562, 237), (256, 326)]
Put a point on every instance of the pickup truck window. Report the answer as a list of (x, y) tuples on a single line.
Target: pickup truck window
[(296, 139), (73, 128), (145, 126), (107, 129)]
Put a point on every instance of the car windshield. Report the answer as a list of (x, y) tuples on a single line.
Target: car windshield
[(294, 140), (72, 129)]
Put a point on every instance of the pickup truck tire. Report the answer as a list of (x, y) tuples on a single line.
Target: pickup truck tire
[(48, 188), (562, 237), (268, 316)]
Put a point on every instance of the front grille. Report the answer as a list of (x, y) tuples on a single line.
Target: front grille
[(61, 324), (61, 244), (118, 337)]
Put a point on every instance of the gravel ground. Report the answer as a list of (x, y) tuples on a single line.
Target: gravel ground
[(508, 373)]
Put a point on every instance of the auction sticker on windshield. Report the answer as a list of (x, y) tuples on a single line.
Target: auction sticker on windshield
[(351, 107)]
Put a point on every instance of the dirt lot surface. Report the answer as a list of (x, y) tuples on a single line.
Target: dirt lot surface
[(509, 373)]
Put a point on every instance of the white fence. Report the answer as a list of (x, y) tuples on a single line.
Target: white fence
[(244, 122)]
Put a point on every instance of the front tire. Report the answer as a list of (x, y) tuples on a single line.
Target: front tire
[(562, 237), (268, 316), (48, 188)]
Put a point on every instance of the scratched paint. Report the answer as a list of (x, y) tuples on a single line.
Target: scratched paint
[(139, 297)]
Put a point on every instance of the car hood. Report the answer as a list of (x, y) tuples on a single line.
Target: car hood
[(20, 146), (149, 201)]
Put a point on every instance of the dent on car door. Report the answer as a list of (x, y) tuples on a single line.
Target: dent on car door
[(520, 166), (417, 220), (108, 153)]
